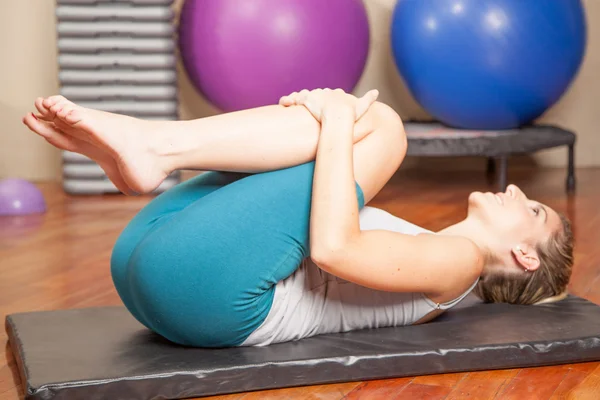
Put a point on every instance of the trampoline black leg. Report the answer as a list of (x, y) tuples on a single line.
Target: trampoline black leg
[(490, 172), (571, 169), (502, 173)]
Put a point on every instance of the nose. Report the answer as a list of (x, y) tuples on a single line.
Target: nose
[(514, 192)]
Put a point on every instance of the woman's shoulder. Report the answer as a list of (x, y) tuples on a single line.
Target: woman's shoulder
[(456, 260), (464, 263)]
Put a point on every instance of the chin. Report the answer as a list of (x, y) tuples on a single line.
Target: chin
[(478, 207), (475, 199)]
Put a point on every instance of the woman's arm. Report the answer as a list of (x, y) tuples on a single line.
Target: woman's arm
[(334, 212), (381, 260)]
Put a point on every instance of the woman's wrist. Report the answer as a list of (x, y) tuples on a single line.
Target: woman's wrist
[(339, 113)]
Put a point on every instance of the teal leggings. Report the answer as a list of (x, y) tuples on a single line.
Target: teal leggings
[(198, 265)]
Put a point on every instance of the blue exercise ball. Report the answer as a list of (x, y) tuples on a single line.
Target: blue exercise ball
[(488, 64)]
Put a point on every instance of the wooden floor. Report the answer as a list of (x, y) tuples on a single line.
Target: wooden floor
[(60, 260)]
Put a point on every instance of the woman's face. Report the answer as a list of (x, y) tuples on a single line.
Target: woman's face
[(511, 218)]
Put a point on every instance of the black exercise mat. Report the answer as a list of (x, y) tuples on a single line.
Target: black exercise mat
[(103, 353)]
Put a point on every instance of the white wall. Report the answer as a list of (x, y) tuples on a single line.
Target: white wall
[(28, 69)]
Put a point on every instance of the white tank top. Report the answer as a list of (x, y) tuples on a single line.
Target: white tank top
[(312, 302)]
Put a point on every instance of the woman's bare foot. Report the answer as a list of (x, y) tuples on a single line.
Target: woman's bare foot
[(127, 141), (64, 142)]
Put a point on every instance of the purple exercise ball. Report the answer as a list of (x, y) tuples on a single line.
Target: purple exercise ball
[(243, 54), (20, 197)]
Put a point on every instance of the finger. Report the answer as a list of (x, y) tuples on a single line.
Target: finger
[(313, 109), (365, 102), (369, 98), (372, 95), (288, 101), (302, 96)]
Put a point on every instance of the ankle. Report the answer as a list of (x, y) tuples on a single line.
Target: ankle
[(159, 143)]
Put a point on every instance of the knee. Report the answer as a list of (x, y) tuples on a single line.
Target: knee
[(382, 120), (389, 127)]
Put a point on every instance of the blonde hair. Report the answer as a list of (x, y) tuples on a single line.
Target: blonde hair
[(546, 284)]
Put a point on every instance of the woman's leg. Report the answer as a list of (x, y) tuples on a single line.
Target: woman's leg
[(204, 274), (256, 140), (155, 214)]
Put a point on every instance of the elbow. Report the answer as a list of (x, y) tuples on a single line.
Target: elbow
[(325, 256)]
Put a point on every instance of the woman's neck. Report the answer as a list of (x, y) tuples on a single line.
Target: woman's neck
[(471, 230)]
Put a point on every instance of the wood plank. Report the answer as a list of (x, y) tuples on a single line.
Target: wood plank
[(576, 374), (586, 367), (378, 389), (7, 381), (482, 385), (415, 391), (322, 392), (533, 384), (445, 380), (588, 389), (10, 382), (235, 396), (328, 392), (12, 394)]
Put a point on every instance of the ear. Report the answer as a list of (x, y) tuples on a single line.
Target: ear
[(527, 257)]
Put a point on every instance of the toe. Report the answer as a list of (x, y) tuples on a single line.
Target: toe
[(56, 108), (74, 116), (63, 142), (52, 100), (44, 112), (35, 125), (49, 132), (65, 110)]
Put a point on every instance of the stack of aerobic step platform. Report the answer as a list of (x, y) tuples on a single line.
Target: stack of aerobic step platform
[(117, 56)]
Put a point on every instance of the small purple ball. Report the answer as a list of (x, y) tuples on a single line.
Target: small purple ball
[(20, 197)]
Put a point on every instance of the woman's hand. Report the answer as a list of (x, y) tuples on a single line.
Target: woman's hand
[(316, 101)]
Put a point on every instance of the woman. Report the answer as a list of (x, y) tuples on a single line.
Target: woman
[(279, 245)]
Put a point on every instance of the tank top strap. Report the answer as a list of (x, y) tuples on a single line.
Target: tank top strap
[(449, 304)]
